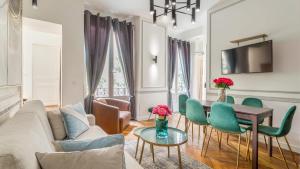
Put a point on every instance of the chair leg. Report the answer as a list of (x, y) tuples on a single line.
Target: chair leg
[(192, 131), (266, 142), (293, 155), (228, 139), (199, 130), (178, 121), (282, 153), (220, 141), (208, 141), (238, 153), (203, 143), (248, 145)]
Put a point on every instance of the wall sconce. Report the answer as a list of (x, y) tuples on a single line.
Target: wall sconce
[(155, 59)]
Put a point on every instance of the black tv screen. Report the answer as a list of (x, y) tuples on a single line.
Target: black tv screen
[(255, 58)]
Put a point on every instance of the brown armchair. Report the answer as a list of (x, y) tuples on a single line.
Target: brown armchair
[(112, 115)]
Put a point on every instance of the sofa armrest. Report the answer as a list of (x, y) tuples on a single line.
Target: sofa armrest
[(92, 120), (107, 117), (121, 104)]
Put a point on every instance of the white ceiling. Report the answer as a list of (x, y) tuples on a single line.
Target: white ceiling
[(129, 8)]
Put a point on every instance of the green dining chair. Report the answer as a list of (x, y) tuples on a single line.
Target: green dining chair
[(230, 100), (196, 115), (223, 118), (276, 132), (182, 106), (252, 102)]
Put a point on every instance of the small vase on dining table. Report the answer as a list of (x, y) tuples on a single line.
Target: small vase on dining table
[(222, 95), (161, 127)]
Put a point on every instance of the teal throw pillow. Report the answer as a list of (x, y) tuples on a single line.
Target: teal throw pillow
[(75, 120), (82, 145)]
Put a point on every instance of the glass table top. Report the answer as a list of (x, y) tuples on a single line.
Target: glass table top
[(175, 137), (137, 131)]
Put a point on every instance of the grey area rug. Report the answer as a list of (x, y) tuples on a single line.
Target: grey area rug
[(161, 157)]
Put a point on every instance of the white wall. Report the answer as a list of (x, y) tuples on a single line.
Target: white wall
[(151, 78), (69, 14), (234, 19)]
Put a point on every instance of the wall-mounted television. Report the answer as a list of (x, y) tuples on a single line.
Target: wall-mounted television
[(254, 58)]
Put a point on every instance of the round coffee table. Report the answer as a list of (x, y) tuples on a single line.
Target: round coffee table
[(175, 138)]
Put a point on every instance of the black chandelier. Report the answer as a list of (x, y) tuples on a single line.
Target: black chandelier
[(173, 7)]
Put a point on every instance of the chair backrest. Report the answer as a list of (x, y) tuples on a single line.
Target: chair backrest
[(230, 100), (223, 118), (195, 111), (253, 102), (182, 103), (286, 123)]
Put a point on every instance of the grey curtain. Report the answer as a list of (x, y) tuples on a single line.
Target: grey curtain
[(96, 34), (172, 50), (185, 56), (124, 37)]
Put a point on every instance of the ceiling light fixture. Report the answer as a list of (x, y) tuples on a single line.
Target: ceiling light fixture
[(34, 4), (151, 7), (193, 16), (154, 17), (197, 5), (167, 3), (174, 14), (188, 5), (173, 7)]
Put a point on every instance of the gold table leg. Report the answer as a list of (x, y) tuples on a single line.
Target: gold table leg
[(168, 152), (137, 147), (179, 157), (142, 152), (152, 151)]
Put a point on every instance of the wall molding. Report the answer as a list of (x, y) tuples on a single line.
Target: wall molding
[(267, 98), (142, 58), (214, 10)]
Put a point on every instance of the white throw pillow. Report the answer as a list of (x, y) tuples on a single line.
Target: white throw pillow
[(105, 158)]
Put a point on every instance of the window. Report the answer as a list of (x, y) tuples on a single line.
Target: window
[(112, 82), (178, 84)]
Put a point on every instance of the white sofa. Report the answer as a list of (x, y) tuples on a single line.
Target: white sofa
[(29, 132)]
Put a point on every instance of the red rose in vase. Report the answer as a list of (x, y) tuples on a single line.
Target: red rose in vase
[(162, 110), (223, 83)]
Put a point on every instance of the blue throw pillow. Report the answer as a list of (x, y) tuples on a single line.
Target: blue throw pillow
[(75, 120), (82, 145)]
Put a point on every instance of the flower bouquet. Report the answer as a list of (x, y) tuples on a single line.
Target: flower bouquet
[(222, 84), (162, 111)]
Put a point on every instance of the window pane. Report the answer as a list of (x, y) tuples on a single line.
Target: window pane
[(120, 87), (180, 81), (102, 90)]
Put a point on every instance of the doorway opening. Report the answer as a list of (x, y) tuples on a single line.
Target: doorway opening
[(42, 49)]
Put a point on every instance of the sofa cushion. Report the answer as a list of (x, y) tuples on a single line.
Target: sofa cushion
[(105, 158), (75, 120), (125, 117), (57, 124), (37, 107), (21, 137), (81, 145)]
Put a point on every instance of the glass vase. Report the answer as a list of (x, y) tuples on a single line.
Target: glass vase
[(222, 95), (161, 127)]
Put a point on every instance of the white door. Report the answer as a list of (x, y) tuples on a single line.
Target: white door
[(46, 74)]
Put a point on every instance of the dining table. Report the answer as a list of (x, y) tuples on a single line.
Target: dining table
[(253, 114)]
